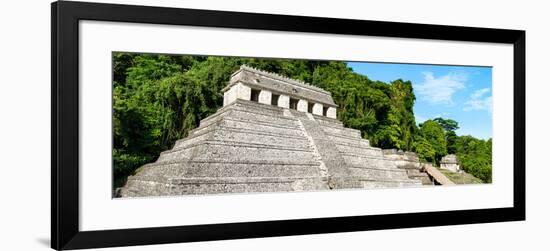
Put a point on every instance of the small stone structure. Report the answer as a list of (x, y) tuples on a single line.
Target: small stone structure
[(450, 162), (273, 134)]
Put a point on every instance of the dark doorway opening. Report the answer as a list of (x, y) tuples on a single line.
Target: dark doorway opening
[(255, 95), (293, 104), (274, 99)]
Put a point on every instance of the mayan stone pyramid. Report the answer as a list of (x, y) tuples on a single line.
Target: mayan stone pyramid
[(273, 134)]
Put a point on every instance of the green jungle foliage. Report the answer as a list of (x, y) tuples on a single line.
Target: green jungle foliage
[(475, 157), (158, 99)]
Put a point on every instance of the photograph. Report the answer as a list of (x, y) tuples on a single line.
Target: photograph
[(209, 124)]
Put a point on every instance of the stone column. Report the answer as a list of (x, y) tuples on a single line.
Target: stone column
[(265, 97), (284, 101), (302, 106), (318, 109), (331, 112), (237, 91)]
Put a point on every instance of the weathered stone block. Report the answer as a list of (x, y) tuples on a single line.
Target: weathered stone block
[(237, 91)]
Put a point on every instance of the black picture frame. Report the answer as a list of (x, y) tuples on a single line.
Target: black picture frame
[(65, 233)]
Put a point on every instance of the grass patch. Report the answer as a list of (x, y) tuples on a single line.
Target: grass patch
[(460, 178)]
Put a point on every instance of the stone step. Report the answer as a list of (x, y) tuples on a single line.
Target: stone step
[(348, 140), (344, 136), (231, 134), (231, 169), (194, 138), (390, 183), (136, 187), (168, 168), (181, 154), (359, 150), (328, 121), (245, 185), (239, 151), (291, 129), (223, 168), (407, 164), (232, 121), (165, 186), (379, 174), (261, 137), (357, 144), (219, 160), (262, 118), (346, 132), (247, 106), (368, 161), (214, 148), (251, 116)]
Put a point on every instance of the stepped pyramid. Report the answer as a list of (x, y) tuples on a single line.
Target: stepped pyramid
[(273, 134)]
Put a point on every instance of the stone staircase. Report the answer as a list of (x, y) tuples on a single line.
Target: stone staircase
[(366, 163), (340, 175), (243, 147)]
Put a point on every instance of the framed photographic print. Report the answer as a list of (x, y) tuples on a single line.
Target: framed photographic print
[(178, 125)]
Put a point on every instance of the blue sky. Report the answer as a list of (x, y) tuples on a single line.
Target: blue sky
[(461, 93)]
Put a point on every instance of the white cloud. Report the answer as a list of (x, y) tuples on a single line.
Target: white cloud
[(479, 93), (478, 101), (440, 90)]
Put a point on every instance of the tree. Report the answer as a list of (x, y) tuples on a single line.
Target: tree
[(447, 124), (451, 138), (401, 115), (450, 126), (435, 135), (424, 149)]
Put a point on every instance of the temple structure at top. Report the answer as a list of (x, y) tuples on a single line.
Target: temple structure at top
[(273, 134), (272, 89)]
